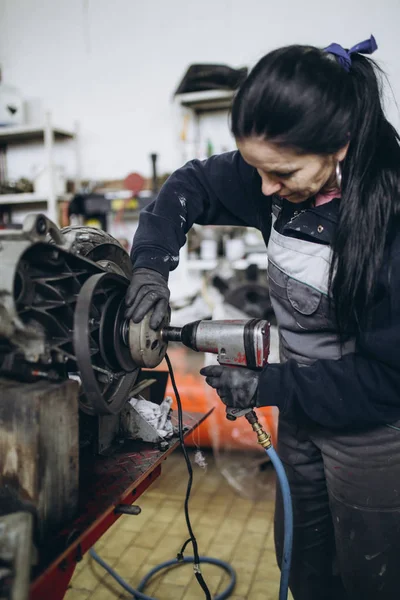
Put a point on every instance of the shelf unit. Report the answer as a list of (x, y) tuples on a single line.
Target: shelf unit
[(28, 198), (199, 104), (195, 108), (29, 133), (48, 134), (207, 101)]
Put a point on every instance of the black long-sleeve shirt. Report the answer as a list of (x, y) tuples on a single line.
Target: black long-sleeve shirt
[(360, 388)]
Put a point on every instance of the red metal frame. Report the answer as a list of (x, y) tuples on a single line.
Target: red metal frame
[(115, 480), (53, 583)]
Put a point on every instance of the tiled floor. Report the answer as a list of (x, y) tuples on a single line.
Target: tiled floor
[(226, 526)]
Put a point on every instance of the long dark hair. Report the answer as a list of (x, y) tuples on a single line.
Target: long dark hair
[(301, 97)]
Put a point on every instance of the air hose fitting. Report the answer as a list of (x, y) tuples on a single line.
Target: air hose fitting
[(263, 438)]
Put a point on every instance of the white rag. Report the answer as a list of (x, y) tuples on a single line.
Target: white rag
[(155, 414)]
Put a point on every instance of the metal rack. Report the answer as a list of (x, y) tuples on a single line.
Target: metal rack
[(48, 134)]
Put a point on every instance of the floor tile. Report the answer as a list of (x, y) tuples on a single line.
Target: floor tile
[(227, 526)]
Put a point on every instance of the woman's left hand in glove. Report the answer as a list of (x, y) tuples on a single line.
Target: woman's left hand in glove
[(236, 386)]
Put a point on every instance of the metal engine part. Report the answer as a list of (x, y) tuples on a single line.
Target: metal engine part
[(62, 313), (147, 347)]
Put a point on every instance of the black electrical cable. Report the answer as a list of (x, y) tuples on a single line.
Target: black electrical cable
[(196, 559), (196, 562)]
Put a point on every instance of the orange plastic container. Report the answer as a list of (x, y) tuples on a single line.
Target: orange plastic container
[(197, 396)]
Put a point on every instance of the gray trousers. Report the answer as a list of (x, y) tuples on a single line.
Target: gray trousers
[(346, 500)]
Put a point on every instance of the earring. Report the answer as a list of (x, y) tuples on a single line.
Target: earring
[(338, 175)]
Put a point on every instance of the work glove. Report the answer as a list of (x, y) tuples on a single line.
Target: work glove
[(236, 386), (148, 289)]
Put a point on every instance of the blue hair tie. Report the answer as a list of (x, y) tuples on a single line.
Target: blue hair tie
[(344, 56)]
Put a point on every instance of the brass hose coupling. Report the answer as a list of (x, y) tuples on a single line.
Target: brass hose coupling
[(263, 438)]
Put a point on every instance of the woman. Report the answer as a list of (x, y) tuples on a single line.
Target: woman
[(317, 157)]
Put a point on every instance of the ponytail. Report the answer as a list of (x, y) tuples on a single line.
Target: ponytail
[(370, 202)]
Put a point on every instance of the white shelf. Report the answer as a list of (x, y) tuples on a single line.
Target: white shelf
[(31, 198), (26, 133)]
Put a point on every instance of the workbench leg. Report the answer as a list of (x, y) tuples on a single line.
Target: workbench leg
[(55, 586)]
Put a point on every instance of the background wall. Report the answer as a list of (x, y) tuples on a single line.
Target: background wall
[(114, 65)]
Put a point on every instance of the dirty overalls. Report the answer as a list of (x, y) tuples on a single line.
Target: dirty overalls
[(346, 516)]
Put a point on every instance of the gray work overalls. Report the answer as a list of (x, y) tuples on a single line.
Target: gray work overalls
[(346, 529)]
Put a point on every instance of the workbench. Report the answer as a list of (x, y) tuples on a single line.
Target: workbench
[(107, 482)]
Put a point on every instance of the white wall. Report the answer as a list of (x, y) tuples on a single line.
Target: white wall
[(114, 65)]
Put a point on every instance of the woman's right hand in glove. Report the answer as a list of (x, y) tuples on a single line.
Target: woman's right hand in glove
[(148, 289)]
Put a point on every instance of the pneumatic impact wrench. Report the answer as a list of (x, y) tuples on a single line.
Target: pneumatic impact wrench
[(237, 343)]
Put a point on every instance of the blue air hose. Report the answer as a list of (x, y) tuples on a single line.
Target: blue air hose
[(288, 520), (286, 558), (170, 563)]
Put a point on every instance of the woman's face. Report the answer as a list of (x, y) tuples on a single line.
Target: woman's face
[(287, 174)]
